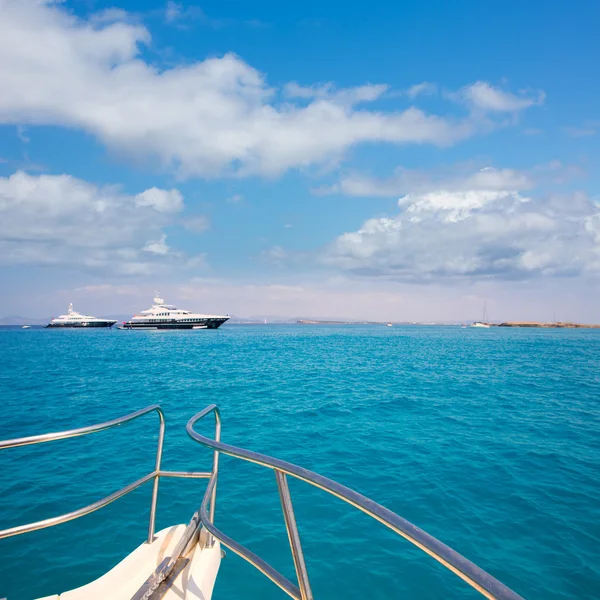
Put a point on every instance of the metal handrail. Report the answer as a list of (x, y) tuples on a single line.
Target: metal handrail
[(153, 475), (476, 577)]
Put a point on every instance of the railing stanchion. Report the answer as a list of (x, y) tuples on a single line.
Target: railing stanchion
[(477, 578), (159, 449), (293, 535), (215, 474)]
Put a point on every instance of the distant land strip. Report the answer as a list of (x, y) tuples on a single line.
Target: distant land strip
[(557, 325)]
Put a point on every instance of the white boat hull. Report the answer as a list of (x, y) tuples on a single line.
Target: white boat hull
[(122, 582)]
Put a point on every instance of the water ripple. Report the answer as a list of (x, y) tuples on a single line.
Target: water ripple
[(488, 440)]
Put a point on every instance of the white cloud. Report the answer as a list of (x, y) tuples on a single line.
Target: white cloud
[(475, 234), (421, 89), (158, 246), (344, 97), (484, 97), (107, 290), (173, 11), (235, 199), (21, 134), (177, 14), (213, 117), (587, 130), (450, 207), (457, 178), (63, 221), (275, 255), (199, 261), (113, 15), (161, 200)]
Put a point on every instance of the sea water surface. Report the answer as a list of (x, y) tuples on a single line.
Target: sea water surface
[(487, 439)]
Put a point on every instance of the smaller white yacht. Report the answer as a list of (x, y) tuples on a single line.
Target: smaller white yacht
[(167, 316), (75, 319)]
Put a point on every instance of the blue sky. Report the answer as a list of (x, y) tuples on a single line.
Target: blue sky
[(369, 160)]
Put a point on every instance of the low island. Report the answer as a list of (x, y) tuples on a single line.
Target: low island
[(557, 325)]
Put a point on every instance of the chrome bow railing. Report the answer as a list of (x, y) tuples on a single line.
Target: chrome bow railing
[(473, 575), (153, 476), (477, 578)]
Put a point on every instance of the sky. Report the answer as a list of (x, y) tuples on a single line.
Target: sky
[(384, 160)]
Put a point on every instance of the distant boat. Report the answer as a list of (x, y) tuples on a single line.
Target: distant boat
[(163, 316), (26, 327), (389, 324), (75, 319), (484, 322)]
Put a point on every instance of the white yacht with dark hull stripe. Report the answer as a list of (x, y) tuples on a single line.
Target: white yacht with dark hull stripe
[(75, 319), (167, 316)]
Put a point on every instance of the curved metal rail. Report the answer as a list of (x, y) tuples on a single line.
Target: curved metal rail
[(153, 476), (477, 578)]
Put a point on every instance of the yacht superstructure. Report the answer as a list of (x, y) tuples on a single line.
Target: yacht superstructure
[(75, 319), (167, 316)]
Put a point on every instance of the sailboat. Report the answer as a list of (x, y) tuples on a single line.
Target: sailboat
[(484, 321)]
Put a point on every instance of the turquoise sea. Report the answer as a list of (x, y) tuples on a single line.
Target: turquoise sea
[(487, 439)]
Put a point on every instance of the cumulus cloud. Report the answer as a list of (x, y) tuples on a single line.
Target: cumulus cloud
[(275, 255), (161, 200), (421, 89), (457, 178), (173, 11), (484, 97), (208, 118), (475, 234), (21, 134), (349, 96), (450, 207), (407, 180), (63, 221), (177, 14), (158, 246), (199, 261)]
